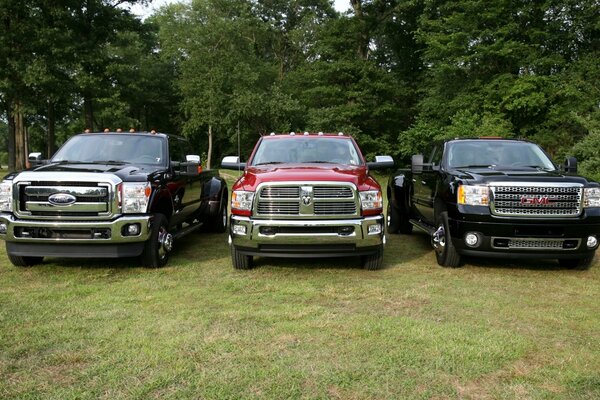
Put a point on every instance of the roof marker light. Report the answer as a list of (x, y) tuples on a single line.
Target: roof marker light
[(131, 130), (272, 134), (153, 132), (106, 130), (340, 133), (320, 133), (305, 133), (292, 133), (119, 130)]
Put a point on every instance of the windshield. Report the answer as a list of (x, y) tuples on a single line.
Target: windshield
[(307, 150), (493, 153), (112, 148)]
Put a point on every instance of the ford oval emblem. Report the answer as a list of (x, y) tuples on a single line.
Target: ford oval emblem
[(61, 199)]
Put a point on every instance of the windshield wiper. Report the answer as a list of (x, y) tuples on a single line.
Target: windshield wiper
[(474, 166), (269, 162), (318, 162), (109, 162)]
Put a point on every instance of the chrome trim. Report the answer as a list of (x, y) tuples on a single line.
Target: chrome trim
[(104, 186), (520, 243), (115, 227), (297, 199), (502, 204), (359, 236)]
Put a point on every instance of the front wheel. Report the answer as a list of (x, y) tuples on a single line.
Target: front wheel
[(24, 261), (445, 253), (157, 248), (373, 261), (580, 264), (239, 260)]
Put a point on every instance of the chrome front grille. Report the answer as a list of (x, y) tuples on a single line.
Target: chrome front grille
[(307, 200), (89, 200), (535, 243), (530, 200)]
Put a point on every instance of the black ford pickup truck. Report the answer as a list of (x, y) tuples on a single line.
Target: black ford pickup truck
[(108, 195), (497, 198)]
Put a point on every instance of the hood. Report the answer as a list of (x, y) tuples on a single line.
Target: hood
[(358, 175), (125, 172), (489, 175)]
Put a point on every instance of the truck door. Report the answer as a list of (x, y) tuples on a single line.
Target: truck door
[(185, 188), (425, 185)]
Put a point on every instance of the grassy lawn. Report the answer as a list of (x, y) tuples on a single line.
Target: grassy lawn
[(96, 329)]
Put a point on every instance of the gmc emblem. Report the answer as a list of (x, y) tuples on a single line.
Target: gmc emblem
[(535, 201)]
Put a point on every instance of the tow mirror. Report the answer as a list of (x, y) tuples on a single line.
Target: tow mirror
[(232, 162), (570, 165), (381, 162), (417, 163), (35, 159)]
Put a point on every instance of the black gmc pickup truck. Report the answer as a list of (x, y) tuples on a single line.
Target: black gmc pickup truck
[(497, 198), (108, 195)]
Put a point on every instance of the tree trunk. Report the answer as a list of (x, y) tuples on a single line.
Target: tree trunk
[(51, 130), (364, 37), (20, 139), (89, 113), (11, 136), (210, 144)]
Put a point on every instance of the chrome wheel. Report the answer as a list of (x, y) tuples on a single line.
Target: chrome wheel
[(438, 240), (165, 243)]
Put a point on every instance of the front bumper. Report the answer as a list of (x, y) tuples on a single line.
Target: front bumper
[(106, 239), (525, 239), (307, 238)]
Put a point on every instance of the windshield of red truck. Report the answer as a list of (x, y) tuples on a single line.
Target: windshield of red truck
[(110, 148), (497, 153), (307, 150)]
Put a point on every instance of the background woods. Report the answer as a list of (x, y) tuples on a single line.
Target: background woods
[(395, 74)]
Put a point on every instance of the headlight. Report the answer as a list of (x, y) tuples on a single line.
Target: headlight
[(135, 197), (242, 200), (6, 196), (591, 197), (371, 199), (473, 195)]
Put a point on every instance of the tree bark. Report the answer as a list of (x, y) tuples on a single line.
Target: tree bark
[(210, 144), (364, 37), (11, 136), (20, 139)]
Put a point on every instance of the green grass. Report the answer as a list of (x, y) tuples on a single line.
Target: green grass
[(322, 328)]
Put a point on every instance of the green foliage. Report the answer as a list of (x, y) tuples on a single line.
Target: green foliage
[(586, 151)]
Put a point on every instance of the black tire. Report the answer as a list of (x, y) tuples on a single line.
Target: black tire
[(445, 253), (239, 260), (24, 261), (373, 261), (159, 245), (397, 221), (218, 224), (580, 264)]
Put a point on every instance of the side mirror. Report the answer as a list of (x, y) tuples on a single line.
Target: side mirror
[(417, 163), (381, 162), (232, 162), (35, 159), (570, 165), (191, 166)]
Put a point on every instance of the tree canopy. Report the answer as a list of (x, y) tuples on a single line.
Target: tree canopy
[(394, 74)]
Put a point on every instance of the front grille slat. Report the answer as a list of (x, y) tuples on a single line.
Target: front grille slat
[(306, 200), (532, 200)]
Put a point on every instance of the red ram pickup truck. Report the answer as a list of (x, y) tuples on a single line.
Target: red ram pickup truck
[(306, 195)]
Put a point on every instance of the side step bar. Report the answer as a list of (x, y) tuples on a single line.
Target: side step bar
[(188, 229), (429, 229)]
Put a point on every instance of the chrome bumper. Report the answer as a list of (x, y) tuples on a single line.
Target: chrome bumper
[(251, 233), (74, 232)]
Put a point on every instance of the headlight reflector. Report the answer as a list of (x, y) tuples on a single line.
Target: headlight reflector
[(591, 197), (135, 197), (242, 200), (6, 196), (473, 195), (371, 199)]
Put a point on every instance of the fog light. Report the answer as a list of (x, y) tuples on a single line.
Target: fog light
[(374, 229), (239, 229), (472, 239), (3, 228), (133, 229), (592, 242)]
